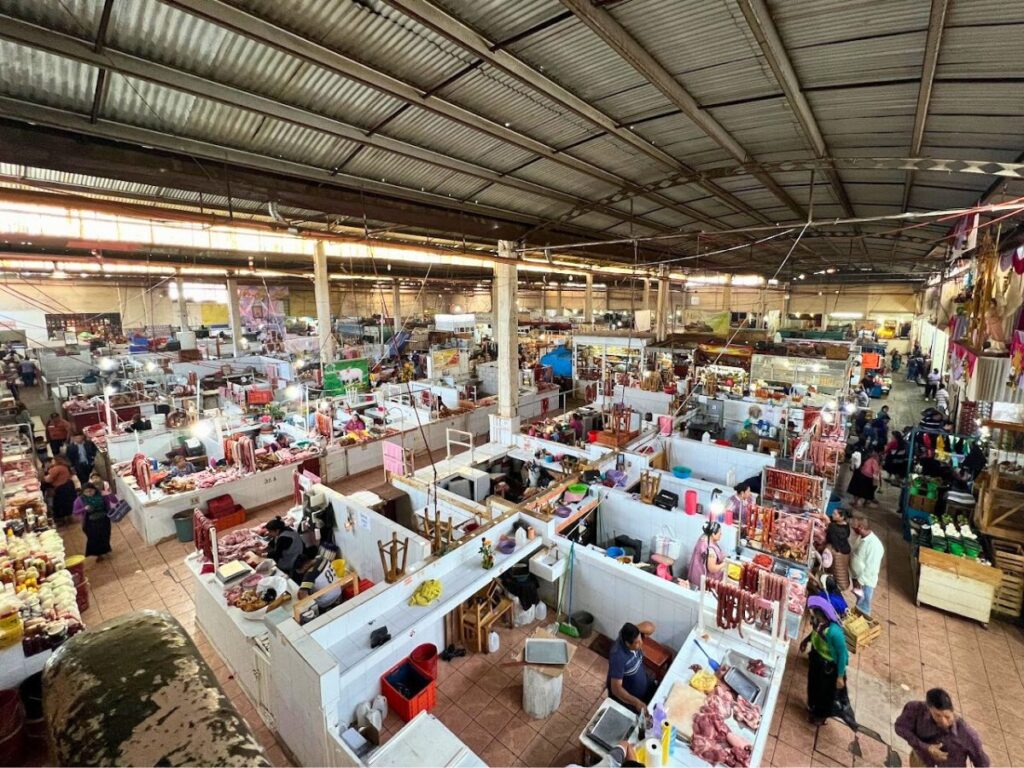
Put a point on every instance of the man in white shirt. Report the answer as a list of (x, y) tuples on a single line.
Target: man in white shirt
[(942, 398), (933, 384), (866, 560)]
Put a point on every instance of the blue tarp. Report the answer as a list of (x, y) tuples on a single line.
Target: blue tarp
[(560, 360)]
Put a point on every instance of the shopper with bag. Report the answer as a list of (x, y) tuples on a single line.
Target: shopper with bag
[(94, 510), (826, 677), (864, 481)]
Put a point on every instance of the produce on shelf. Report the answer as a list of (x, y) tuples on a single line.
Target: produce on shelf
[(427, 592)]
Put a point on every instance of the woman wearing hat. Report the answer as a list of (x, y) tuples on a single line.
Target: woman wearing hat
[(826, 676), (708, 559)]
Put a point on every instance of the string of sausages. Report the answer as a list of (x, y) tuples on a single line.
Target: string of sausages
[(792, 487), (751, 601), (759, 525)]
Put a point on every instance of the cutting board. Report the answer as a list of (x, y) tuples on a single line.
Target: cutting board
[(681, 705)]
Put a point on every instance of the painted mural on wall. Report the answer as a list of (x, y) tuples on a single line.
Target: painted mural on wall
[(263, 307)]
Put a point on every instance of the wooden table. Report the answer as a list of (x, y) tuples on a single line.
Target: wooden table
[(957, 584)]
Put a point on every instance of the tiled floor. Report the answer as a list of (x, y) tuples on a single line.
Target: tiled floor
[(480, 699)]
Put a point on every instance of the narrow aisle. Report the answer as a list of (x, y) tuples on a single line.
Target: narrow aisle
[(920, 648)]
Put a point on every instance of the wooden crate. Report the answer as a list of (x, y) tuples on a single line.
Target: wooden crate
[(921, 503), (1009, 558), (957, 584), (1000, 510), (1010, 595), (858, 642)]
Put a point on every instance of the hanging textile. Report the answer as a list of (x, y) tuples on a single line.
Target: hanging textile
[(141, 472)]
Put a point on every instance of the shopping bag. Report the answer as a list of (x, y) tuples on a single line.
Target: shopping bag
[(666, 544), (118, 512)]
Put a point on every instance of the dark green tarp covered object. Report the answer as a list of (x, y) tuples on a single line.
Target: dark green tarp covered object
[(136, 691)]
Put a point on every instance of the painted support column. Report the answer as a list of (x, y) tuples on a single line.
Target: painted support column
[(588, 302), (182, 304), (543, 299), (647, 293), (396, 308), (661, 323), (507, 331), (235, 317), (322, 298)]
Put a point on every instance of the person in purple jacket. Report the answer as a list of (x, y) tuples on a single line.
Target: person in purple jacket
[(937, 735)]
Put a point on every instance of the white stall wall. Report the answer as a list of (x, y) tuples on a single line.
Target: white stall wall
[(712, 462), (358, 544), (622, 515), (614, 594)]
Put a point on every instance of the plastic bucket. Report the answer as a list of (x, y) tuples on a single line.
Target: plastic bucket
[(592, 436), (82, 596), (691, 502), (76, 567), (424, 658), (584, 623), (614, 552), (184, 526)]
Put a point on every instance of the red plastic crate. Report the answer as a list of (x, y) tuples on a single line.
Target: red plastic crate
[(422, 701), (230, 521), (219, 506), (347, 592)]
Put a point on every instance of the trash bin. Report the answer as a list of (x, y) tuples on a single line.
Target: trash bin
[(584, 622), (184, 524), (424, 658)]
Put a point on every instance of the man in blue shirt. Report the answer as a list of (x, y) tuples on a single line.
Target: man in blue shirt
[(628, 682)]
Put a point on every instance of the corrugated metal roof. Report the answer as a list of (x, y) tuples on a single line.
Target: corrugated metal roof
[(501, 97), (611, 154), (368, 31), (499, 19), (514, 200), (80, 18), (873, 59), (303, 145), (556, 176), (43, 78), (814, 22), (578, 60), (426, 129)]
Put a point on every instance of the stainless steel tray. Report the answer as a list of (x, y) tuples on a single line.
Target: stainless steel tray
[(541, 651), (739, 661)]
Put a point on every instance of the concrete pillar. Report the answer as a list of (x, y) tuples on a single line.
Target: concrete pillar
[(494, 309), (322, 298), (235, 317), (785, 309), (396, 306), (560, 307), (507, 332), (727, 293), (182, 304), (647, 293), (661, 321), (588, 301)]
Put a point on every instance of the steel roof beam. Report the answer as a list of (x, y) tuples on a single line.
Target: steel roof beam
[(615, 36), (933, 42), (268, 33), (31, 35), (446, 25), (759, 19), (288, 182)]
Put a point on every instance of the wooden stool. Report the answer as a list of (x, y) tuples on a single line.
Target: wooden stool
[(481, 612)]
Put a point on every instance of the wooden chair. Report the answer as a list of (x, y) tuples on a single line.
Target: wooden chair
[(481, 612)]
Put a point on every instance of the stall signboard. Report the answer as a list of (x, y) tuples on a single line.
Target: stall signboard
[(342, 374), (447, 362)]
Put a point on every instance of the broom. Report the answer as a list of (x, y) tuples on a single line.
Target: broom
[(566, 627)]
